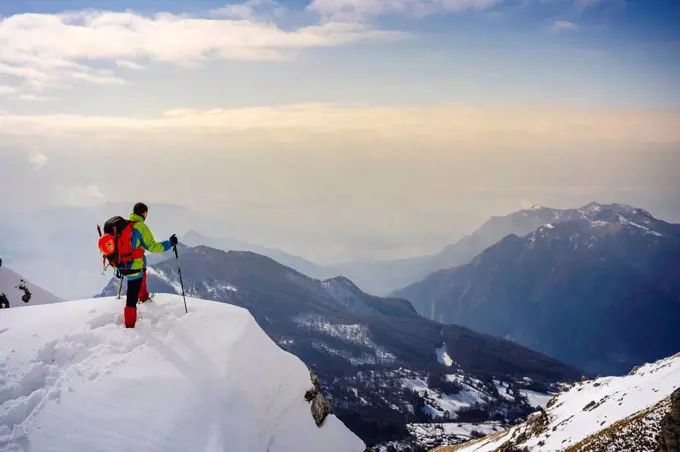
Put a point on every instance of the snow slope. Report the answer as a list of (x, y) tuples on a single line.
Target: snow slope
[(9, 280), (73, 378), (589, 408)]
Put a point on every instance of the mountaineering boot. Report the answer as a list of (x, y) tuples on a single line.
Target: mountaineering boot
[(130, 315)]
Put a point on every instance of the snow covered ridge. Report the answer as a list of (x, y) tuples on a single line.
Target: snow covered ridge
[(208, 380), (611, 413), (607, 217)]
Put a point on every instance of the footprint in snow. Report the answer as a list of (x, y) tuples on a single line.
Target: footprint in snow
[(103, 320)]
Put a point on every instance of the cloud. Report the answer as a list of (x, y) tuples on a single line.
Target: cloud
[(46, 51), (362, 9), (34, 97), (38, 160), (89, 195), (311, 124), (129, 65), (250, 10), (584, 4), (563, 25), (6, 90)]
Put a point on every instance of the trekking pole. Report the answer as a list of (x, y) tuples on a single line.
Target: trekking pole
[(120, 285), (181, 283)]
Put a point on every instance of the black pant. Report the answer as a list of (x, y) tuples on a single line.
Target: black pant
[(133, 288)]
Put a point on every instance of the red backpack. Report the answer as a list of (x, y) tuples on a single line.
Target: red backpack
[(116, 243)]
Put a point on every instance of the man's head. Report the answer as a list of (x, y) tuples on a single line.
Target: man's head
[(140, 209)]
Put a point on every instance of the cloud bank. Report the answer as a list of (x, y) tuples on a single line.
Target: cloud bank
[(92, 44), (444, 125)]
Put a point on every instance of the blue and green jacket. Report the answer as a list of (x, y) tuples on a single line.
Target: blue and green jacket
[(142, 237)]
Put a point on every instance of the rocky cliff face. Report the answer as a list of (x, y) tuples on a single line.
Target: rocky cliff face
[(669, 437)]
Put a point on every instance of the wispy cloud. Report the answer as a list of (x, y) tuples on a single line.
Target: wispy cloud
[(54, 50), (563, 25), (38, 160), (129, 65), (35, 97), (362, 9), (6, 90), (89, 195), (251, 10)]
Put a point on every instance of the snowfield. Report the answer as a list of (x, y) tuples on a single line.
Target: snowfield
[(73, 378), (581, 413)]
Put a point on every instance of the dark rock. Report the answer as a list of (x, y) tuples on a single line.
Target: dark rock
[(669, 438), (320, 406), (509, 447), (589, 406)]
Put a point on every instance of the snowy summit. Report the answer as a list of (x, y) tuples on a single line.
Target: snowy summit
[(210, 380)]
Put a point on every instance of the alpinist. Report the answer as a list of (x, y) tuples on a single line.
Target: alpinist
[(123, 245)]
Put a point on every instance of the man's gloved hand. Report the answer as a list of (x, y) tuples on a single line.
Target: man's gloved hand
[(173, 240)]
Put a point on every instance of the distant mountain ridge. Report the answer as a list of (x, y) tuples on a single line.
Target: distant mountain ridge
[(384, 276), (10, 281), (194, 238), (598, 287), (369, 352)]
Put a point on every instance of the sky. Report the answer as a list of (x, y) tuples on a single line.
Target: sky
[(340, 129)]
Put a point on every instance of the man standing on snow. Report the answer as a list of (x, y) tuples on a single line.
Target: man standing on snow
[(136, 281)]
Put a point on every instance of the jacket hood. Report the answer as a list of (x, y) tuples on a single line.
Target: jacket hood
[(135, 217)]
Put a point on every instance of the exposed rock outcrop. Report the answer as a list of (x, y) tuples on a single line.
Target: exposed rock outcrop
[(669, 437)]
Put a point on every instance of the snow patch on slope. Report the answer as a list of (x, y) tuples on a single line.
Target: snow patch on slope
[(437, 404), (645, 229), (160, 274), (590, 407), (430, 434), (351, 334), (175, 382), (536, 399), (443, 357)]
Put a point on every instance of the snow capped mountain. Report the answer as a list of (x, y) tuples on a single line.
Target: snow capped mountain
[(384, 277), (378, 362), (610, 275), (12, 285), (630, 413), (208, 380)]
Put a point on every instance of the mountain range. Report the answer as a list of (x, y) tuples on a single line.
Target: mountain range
[(381, 277), (380, 364), (596, 287)]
